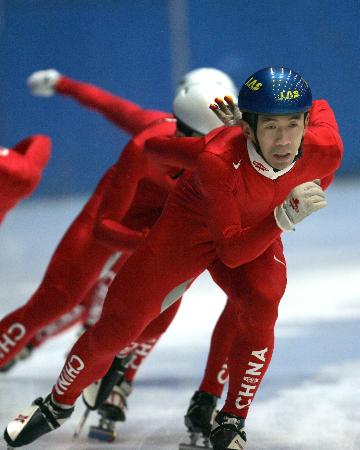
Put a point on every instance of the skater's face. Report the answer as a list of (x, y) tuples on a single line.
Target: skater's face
[(279, 138)]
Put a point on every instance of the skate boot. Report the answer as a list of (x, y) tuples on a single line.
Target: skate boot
[(95, 394), (198, 419), (228, 432), (40, 418), (25, 353), (111, 411)]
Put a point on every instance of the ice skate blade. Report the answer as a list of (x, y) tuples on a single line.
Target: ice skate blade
[(101, 435), (183, 446), (81, 424)]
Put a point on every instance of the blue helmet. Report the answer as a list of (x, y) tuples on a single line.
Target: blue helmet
[(275, 91)]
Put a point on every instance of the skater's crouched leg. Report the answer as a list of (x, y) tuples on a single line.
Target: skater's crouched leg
[(160, 324), (118, 332), (257, 288), (147, 286)]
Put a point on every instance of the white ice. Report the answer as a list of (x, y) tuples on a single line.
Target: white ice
[(310, 397)]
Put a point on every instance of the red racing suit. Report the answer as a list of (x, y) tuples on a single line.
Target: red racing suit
[(185, 153), (219, 218)]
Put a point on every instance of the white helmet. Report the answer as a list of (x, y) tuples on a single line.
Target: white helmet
[(191, 106), (206, 75)]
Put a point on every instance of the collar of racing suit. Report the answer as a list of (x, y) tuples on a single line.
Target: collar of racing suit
[(261, 166)]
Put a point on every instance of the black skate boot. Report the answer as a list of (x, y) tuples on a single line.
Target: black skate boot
[(40, 418), (228, 432), (25, 353), (111, 411), (198, 419), (95, 394)]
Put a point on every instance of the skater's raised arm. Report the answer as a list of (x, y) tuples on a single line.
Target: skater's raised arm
[(125, 114), (175, 151)]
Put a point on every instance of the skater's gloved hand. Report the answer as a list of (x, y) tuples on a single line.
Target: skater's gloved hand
[(226, 110), (43, 82), (300, 203)]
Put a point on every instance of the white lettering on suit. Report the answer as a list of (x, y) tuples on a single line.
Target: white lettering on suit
[(223, 375), (8, 340), (72, 369), (141, 352), (247, 391)]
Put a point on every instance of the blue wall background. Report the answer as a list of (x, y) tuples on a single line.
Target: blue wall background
[(137, 49)]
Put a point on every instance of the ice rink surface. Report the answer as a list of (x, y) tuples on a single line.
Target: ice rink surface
[(310, 397)]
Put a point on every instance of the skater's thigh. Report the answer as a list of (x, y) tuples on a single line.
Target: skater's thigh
[(160, 324), (261, 281), (79, 257), (265, 276), (163, 266)]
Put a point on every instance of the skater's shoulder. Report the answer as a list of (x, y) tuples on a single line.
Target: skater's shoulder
[(164, 127), (223, 137), (226, 145)]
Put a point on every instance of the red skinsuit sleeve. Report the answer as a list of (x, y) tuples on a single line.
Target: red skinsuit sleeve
[(235, 245), (117, 199), (322, 116), (323, 128), (26, 162), (174, 151), (325, 182), (178, 151), (125, 114)]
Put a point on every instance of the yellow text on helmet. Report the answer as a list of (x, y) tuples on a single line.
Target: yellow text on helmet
[(253, 84), (288, 95)]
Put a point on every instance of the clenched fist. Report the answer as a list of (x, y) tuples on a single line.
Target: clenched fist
[(43, 82), (300, 203)]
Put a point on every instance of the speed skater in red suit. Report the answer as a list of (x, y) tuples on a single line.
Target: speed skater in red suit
[(251, 184), (202, 407)]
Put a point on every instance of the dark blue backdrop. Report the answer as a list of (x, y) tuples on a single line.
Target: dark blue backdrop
[(137, 48)]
